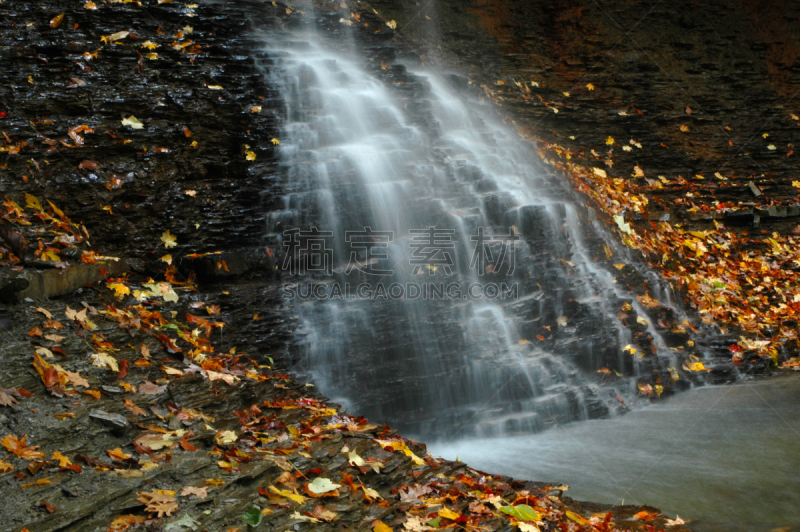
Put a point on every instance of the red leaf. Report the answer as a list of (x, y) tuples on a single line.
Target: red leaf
[(3, 114), (123, 369), (187, 446), (50, 377)]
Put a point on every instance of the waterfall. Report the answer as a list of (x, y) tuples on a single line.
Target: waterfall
[(413, 186)]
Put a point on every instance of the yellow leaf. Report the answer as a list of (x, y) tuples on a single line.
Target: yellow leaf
[(288, 494), (32, 202), (51, 256), (640, 320), (697, 366), (610, 141), (63, 461), (392, 24), (167, 259), (120, 289), (380, 526), (449, 514), (275, 141), (215, 87), (619, 266), (251, 156), (599, 171), (104, 360), (589, 86), (255, 109), (133, 122), (168, 239)]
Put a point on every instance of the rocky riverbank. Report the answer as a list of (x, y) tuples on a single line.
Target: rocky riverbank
[(140, 324)]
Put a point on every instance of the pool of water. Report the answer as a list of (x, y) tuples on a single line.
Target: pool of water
[(725, 458)]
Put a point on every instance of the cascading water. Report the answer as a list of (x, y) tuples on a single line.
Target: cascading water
[(415, 188)]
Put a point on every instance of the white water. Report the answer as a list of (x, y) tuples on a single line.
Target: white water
[(408, 155)]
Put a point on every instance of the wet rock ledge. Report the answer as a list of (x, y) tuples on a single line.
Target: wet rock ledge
[(136, 157)]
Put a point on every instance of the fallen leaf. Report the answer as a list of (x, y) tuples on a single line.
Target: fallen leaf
[(133, 122), (18, 447), (322, 485), (200, 493), (104, 360), (168, 239), (56, 22)]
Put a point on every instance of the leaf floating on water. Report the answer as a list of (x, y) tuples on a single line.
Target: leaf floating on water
[(392, 24)]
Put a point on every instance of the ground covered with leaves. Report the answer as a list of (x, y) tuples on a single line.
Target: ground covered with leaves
[(138, 138)]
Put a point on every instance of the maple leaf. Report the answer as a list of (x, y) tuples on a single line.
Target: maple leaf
[(161, 502), (63, 461), (168, 239), (6, 398), (120, 289), (124, 522), (200, 493), (135, 410), (18, 447), (5, 467)]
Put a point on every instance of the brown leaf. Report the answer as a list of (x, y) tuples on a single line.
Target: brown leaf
[(326, 515), (123, 369), (49, 507), (149, 388), (36, 331), (53, 324), (187, 446), (161, 502), (54, 338), (54, 23), (6, 398), (88, 165), (200, 493), (135, 410)]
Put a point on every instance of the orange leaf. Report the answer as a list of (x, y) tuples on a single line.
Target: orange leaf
[(124, 522), (63, 461), (40, 482), (135, 410), (18, 447), (56, 21)]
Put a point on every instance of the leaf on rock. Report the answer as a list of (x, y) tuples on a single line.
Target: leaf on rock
[(124, 522), (169, 239), (523, 512), (322, 485), (200, 493), (253, 516), (18, 447), (104, 360), (161, 502), (133, 122)]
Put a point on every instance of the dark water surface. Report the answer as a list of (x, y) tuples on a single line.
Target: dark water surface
[(724, 457)]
